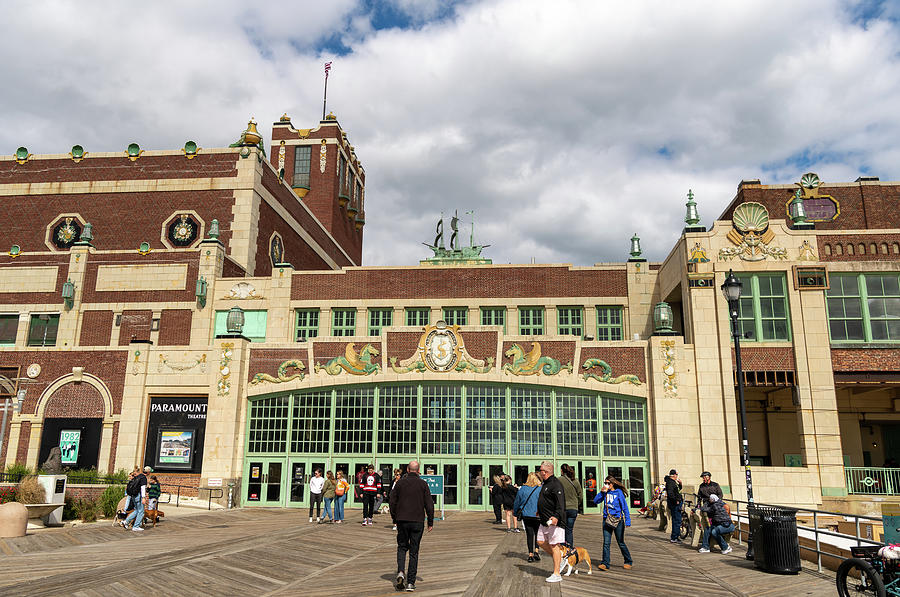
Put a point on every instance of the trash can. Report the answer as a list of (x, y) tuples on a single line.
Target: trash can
[(776, 547)]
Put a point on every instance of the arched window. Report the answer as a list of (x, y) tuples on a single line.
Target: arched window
[(828, 250), (850, 249), (838, 249), (884, 248)]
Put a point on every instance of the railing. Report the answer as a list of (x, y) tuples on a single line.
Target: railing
[(213, 493), (815, 530), (10, 477), (872, 481)]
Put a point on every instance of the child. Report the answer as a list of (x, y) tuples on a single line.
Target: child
[(153, 492)]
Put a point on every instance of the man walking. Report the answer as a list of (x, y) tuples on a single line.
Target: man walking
[(551, 507), (410, 501), (137, 489), (371, 486), (674, 501)]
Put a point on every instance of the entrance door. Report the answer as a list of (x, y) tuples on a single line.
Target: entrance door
[(300, 472), (480, 476), (591, 485), (450, 471), (634, 476), (266, 480), (521, 469)]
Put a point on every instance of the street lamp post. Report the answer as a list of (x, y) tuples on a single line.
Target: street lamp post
[(731, 290)]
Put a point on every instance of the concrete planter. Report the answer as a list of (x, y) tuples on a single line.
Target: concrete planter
[(13, 519)]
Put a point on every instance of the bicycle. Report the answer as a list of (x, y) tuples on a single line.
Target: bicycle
[(686, 530), (867, 573)]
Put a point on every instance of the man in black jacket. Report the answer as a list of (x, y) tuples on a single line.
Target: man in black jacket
[(673, 503), (551, 508), (410, 502), (707, 488)]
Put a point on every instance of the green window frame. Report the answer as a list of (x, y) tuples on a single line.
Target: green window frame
[(494, 316), (418, 316), (306, 324), (570, 321), (310, 422), (486, 420), (763, 308), (354, 420), (268, 425), (254, 325), (531, 321), (456, 315), (577, 424), (624, 428), (441, 419), (9, 327), (864, 307), (302, 155), (379, 318), (43, 329), (397, 414), (530, 422), (609, 323), (343, 322)]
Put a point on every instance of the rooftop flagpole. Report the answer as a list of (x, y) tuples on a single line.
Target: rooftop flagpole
[(325, 95)]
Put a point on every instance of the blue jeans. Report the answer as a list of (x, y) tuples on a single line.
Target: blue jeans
[(328, 513), (571, 515), (675, 512), (620, 539), (717, 531), (339, 507), (137, 515)]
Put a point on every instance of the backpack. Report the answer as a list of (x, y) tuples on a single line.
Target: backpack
[(134, 486)]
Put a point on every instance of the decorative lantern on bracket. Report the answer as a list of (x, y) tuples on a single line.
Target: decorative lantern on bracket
[(200, 292), (662, 320), (234, 323), (68, 293)]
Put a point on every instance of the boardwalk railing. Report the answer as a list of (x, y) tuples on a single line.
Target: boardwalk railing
[(740, 512), (213, 493), (872, 481)]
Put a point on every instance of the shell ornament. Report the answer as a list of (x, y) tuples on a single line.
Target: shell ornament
[(751, 217), (810, 180)]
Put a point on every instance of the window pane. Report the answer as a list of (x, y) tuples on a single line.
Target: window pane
[(9, 325), (530, 420), (835, 307), (441, 419), (836, 328), (873, 285), (301, 166), (311, 422), (307, 324), (855, 330), (42, 331), (891, 285), (876, 308), (397, 419), (879, 330), (486, 420), (354, 415), (892, 307)]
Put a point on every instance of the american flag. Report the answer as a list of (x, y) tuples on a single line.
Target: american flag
[(327, 68)]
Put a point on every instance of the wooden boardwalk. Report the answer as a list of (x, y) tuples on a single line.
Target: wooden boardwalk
[(276, 552)]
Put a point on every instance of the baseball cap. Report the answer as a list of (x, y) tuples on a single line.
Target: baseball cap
[(673, 472), (705, 474), (713, 498), (147, 469)]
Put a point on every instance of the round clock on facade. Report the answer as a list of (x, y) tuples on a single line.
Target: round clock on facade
[(33, 370)]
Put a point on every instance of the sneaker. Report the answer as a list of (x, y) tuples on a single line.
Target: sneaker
[(703, 550), (400, 583), (674, 540), (410, 588), (554, 578), (137, 529), (727, 550), (627, 566), (517, 530), (602, 567), (394, 528), (310, 518), (530, 558)]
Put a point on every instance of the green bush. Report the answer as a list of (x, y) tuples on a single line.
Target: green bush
[(7, 494), (110, 498), (87, 510), (120, 476), (69, 509), (18, 469)]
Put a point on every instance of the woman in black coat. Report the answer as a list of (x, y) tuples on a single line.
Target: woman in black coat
[(496, 500), (508, 493)]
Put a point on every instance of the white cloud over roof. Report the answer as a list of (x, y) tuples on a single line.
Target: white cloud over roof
[(566, 125)]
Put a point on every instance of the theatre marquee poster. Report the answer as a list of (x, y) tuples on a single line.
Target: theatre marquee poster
[(176, 447), (175, 433), (69, 441)]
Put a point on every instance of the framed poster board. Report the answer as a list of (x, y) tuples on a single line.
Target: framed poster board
[(69, 443), (175, 448)]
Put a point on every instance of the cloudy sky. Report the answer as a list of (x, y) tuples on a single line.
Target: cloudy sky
[(567, 126)]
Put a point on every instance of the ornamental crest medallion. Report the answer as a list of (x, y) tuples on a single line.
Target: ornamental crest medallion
[(441, 349), (183, 229), (818, 206), (67, 232), (752, 235)]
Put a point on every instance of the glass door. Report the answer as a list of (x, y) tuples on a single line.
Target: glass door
[(265, 481), (634, 476), (450, 471), (591, 485), (521, 469), (480, 476), (300, 473)]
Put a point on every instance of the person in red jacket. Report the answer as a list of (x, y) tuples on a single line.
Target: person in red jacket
[(371, 487)]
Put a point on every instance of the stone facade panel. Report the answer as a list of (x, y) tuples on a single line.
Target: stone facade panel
[(96, 328)]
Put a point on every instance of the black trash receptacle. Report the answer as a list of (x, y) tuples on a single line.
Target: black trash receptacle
[(776, 547)]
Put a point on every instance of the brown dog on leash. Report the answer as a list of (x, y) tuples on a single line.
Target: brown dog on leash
[(580, 555)]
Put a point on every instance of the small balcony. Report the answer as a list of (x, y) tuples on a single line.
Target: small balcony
[(872, 480)]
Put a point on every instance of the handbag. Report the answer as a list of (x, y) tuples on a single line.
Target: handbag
[(611, 520)]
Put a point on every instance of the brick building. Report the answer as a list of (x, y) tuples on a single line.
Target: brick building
[(127, 274)]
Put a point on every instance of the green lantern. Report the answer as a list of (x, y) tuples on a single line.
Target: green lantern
[(68, 293), (234, 323), (662, 319)]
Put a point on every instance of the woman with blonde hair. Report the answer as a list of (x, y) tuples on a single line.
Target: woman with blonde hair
[(525, 507)]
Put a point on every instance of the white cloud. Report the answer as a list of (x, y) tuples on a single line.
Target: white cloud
[(567, 126)]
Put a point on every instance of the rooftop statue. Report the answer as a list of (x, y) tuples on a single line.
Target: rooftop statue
[(455, 254)]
